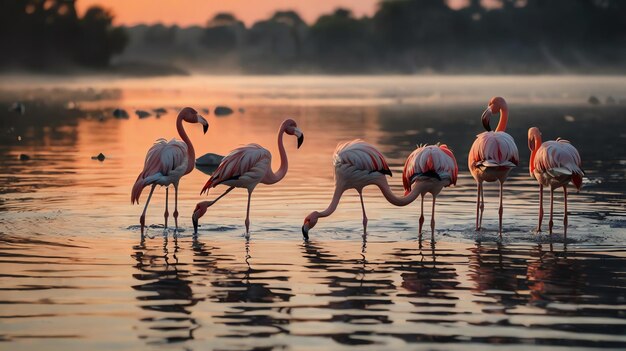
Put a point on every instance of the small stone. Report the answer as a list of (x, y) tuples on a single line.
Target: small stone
[(100, 157), (24, 157), (593, 100), (223, 111)]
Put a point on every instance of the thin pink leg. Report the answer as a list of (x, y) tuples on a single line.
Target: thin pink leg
[(421, 222), (538, 230), (565, 213), (432, 221), (166, 214), (477, 205), (500, 210), (551, 222), (176, 205), (248, 214), (364, 215), (482, 205), (142, 219)]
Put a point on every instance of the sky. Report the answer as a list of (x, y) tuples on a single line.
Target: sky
[(198, 12)]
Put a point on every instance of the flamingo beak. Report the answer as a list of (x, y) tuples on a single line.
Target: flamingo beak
[(205, 124), (298, 133), (485, 118), (305, 231), (194, 219)]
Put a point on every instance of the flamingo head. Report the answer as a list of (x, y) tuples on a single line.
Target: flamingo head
[(190, 115), (290, 127), (495, 105), (534, 138), (198, 212), (309, 222)]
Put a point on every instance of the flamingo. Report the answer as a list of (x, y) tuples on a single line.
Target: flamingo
[(357, 165), (492, 157), (246, 167), (167, 162), (554, 163), (434, 167)]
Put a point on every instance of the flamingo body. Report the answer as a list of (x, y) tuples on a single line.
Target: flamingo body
[(553, 164), (492, 157), (166, 163), (433, 167), (244, 167)]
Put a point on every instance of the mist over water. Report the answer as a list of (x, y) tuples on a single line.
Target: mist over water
[(75, 270)]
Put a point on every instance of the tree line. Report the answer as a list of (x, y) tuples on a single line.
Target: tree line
[(403, 36)]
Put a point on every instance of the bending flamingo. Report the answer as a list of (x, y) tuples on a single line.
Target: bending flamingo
[(357, 165), (492, 157), (553, 164), (167, 162), (246, 167), (433, 167)]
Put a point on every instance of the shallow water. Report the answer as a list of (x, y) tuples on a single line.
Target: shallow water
[(74, 269)]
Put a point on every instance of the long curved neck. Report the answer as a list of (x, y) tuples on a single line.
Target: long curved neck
[(272, 177), (533, 153), (393, 198), (191, 154), (339, 190), (504, 119)]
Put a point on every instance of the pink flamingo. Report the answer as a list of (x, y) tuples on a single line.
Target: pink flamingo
[(357, 165), (433, 167), (492, 157), (553, 164), (167, 162), (246, 167)]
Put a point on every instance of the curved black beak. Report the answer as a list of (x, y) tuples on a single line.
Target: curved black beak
[(195, 224), (300, 140), (485, 119), (305, 233), (205, 124)]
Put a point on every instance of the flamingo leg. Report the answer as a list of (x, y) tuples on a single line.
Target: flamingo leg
[(166, 214), (482, 205), (500, 210), (551, 223), (142, 219), (565, 213), (421, 222), (176, 205), (432, 221), (247, 212), (538, 230), (477, 204), (364, 215)]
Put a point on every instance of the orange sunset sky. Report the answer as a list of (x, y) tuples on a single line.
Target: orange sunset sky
[(197, 12)]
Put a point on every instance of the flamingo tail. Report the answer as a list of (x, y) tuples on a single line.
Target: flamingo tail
[(136, 192), (206, 187)]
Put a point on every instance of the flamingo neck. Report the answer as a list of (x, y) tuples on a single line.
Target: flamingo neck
[(537, 138), (191, 154), (504, 118), (272, 177), (339, 190), (393, 198)]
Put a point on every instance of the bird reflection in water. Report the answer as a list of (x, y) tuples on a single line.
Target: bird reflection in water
[(166, 292)]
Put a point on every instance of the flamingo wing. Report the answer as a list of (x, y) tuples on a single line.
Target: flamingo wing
[(558, 158), (163, 159), (432, 162), (362, 156), (239, 163), (493, 149)]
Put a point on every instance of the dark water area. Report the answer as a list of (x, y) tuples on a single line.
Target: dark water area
[(75, 272)]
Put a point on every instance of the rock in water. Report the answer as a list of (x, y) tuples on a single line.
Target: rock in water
[(209, 159), (160, 111), (142, 113), (223, 111), (24, 157), (594, 100), (610, 100), (100, 157), (120, 113), (242, 110)]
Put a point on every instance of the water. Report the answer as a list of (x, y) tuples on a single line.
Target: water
[(76, 273)]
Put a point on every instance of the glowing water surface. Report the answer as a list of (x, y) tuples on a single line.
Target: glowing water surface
[(75, 272)]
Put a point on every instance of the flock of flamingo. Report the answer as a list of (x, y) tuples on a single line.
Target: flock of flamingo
[(428, 169)]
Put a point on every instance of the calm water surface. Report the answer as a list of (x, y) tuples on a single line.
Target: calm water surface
[(75, 272)]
